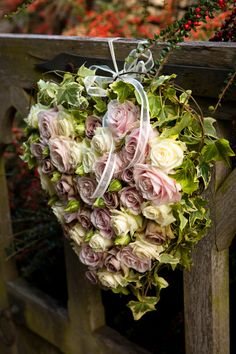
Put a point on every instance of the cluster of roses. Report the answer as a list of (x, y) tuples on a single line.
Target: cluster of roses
[(126, 231)]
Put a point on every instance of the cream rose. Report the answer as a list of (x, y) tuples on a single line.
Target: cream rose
[(89, 159), (123, 222), (102, 140), (162, 214), (167, 154), (146, 250), (111, 280), (100, 243), (77, 234), (58, 211), (65, 124), (32, 118), (46, 183)]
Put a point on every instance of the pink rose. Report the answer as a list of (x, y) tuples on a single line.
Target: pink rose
[(130, 260), (111, 262), (70, 217), (65, 154), (130, 148), (48, 123), (65, 188), (131, 199), (156, 234), (91, 275), (127, 176), (111, 200), (91, 123), (37, 150), (90, 258), (101, 163), (47, 167), (84, 217), (101, 219), (86, 187), (122, 117), (155, 185)]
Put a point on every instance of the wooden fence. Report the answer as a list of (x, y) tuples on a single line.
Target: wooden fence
[(31, 322)]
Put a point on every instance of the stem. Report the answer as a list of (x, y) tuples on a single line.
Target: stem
[(221, 95)]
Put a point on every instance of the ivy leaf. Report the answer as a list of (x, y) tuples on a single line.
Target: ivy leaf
[(154, 104), (139, 308), (84, 71), (167, 258), (186, 175), (122, 89), (47, 92), (69, 94), (183, 123), (204, 172), (161, 80), (120, 290), (218, 150), (184, 97), (209, 129), (100, 105), (160, 282)]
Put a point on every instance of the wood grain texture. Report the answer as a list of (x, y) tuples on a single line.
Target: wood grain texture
[(226, 212)]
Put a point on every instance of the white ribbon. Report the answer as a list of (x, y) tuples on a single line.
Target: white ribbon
[(133, 67)]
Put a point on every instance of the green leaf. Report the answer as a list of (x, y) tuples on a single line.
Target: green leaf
[(122, 89), (209, 129), (160, 282), (47, 92), (84, 71), (154, 104), (163, 79), (183, 221), (100, 105), (183, 123), (186, 175), (167, 258), (204, 172), (184, 97), (139, 308), (218, 150), (120, 290), (69, 94)]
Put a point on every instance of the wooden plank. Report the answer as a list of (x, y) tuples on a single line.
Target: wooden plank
[(39, 313), (206, 292), (226, 212), (23, 52)]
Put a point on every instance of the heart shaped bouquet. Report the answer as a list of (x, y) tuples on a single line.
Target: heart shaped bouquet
[(124, 160)]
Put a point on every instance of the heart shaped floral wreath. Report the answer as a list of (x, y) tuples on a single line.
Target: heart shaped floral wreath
[(124, 159)]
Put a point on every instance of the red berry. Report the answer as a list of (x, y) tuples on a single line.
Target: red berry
[(189, 22), (186, 27), (197, 9), (198, 16), (196, 23)]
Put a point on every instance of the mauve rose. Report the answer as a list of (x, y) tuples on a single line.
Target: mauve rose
[(37, 150), (65, 154), (130, 260), (101, 219), (111, 200), (127, 175), (122, 117), (155, 185), (111, 262), (131, 199), (48, 123), (90, 258), (86, 187), (157, 234), (91, 275), (70, 217), (84, 217), (130, 148), (101, 163), (65, 188), (47, 166), (91, 123)]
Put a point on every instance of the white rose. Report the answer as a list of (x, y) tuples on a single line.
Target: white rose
[(89, 158), (100, 243), (111, 280), (77, 234), (59, 212), (102, 140), (144, 249), (76, 153), (65, 124), (167, 154), (46, 183), (161, 214), (32, 118), (123, 223)]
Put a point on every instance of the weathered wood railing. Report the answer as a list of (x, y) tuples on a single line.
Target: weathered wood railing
[(82, 329)]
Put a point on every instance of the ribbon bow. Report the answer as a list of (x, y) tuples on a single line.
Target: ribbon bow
[(133, 67)]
